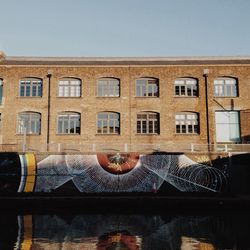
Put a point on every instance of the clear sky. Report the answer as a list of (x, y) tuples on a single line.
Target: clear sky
[(125, 27)]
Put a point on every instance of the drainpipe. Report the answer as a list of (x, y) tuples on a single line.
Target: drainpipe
[(205, 74), (49, 75)]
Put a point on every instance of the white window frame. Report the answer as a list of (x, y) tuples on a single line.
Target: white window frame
[(30, 87), (67, 119), (29, 123), (187, 87), (147, 87), (148, 123), (69, 87), (108, 87), (186, 123), (108, 123), (225, 87)]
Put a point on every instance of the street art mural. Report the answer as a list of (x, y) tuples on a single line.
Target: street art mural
[(108, 173)]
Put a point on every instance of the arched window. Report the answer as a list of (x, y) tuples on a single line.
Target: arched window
[(1, 91), (29, 123), (108, 123), (225, 86), (30, 87), (186, 123), (186, 87), (148, 123), (69, 87), (68, 123), (147, 87), (108, 87)]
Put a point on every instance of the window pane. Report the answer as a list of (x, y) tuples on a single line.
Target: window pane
[(183, 129), (39, 90), (177, 90), (22, 91), (34, 90), (190, 129), (189, 90), (183, 90), (178, 129)]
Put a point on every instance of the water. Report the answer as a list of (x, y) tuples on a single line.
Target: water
[(104, 231)]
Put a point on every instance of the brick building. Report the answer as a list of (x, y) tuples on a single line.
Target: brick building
[(124, 100)]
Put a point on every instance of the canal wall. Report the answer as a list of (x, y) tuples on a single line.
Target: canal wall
[(157, 172)]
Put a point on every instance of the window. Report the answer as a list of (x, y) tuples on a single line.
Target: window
[(68, 123), (186, 87), (148, 123), (108, 123), (186, 123), (29, 123), (1, 91), (225, 87), (108, 87), (69, 87), (31, 87), (147, 87), (227, 126)]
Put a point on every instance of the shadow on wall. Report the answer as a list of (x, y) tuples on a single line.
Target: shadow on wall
[(238, 172)]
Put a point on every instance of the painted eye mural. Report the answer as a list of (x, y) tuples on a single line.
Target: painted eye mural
[(108, 173), (117, 163)]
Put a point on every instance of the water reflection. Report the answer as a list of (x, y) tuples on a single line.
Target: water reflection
[(127, 231)]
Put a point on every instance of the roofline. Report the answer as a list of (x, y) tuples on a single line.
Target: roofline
[(158, 61), (120, 59)]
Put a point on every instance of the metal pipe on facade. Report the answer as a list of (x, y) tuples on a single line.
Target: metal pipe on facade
[(205, 74), (49, 75)]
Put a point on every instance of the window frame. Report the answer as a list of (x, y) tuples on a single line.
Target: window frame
[(145, 88), (143, 124), (228, 125), (72, 90), (185, 125), (68, 118), (109, 88), (34, 119), (225, 89), (27, 86), (110, 122), (184, 86)]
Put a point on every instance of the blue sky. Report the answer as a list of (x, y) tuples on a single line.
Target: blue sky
[(125, 27)]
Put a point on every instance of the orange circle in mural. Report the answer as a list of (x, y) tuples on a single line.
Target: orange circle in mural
[(118, 163)]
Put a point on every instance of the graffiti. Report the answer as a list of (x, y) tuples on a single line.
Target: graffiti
[(203, 159), (108, 173)]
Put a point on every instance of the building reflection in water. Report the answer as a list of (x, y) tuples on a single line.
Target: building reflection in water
[(124, 232)]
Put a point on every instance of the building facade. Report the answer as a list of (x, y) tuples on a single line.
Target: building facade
[(124, 100)]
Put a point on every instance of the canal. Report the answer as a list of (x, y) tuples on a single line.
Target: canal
[(120, 230)]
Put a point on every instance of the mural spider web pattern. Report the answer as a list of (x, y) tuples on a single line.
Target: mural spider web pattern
[(142, 174)]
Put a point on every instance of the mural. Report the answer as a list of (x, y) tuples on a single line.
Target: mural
[(108, 173)]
